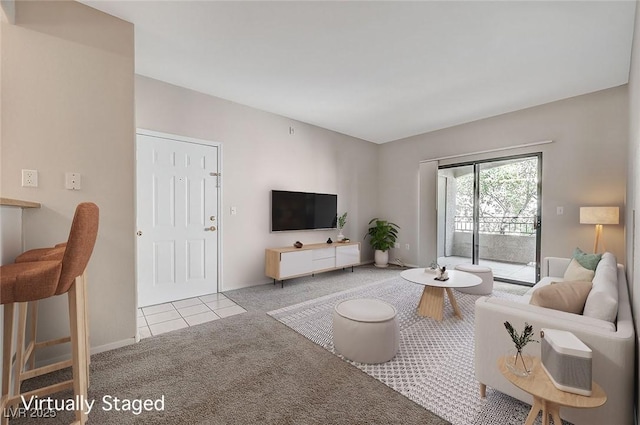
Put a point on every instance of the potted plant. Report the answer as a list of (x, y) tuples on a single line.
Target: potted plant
[(518, 363), (342, 220), (383, 235)]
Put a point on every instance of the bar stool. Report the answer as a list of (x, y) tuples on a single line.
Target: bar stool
[(54, 253), (25, 282)]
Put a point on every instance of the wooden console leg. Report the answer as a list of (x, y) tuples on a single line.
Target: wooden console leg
[(483, 390)]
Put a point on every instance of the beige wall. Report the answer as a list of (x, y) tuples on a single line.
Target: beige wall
[(68, 105), (585, 165), (258, 155), (633, 183)]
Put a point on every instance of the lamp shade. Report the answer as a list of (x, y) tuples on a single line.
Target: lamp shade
[(599, 215)]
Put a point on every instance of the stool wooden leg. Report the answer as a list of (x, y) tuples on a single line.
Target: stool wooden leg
[(34, 331), (86, 323), (78, 345), (19, 362), (7, 342), (483, 390)]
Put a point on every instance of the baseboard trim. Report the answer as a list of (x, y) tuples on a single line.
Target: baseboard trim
[(115, 345), (94, 350)]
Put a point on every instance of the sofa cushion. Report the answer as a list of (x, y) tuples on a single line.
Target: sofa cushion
[(588, 261), (576, 272), (563, 296), (568, 320), (548, 280), (602, 302)]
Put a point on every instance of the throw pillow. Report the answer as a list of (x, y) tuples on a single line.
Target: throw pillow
[(576, 272), (563, 296), (588, 261), (602, 302)]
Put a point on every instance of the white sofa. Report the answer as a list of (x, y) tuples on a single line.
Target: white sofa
[(613, 346)]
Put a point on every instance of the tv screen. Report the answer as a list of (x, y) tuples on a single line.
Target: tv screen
[(302, 211)]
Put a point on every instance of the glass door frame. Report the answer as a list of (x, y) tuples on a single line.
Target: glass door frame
[(475, 238)]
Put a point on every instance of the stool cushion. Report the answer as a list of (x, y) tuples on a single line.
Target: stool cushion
[(366, 310), (473, 268), (484, 273), (32, 281), (366, 330), (41, 254)]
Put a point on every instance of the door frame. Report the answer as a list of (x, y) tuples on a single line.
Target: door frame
[(183, 139), (475, 251)]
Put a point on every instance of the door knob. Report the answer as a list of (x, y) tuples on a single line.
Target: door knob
[(210, 229)]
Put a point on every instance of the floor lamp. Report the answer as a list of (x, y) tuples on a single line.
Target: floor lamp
[(599, 216)]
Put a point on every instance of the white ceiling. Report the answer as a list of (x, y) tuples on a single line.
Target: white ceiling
[(382, 71)]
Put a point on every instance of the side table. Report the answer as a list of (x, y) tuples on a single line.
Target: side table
[(547, 397)]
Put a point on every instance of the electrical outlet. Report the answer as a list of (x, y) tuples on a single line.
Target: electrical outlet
[(407, 247), (396, 245), (72, 181), (29, 178)]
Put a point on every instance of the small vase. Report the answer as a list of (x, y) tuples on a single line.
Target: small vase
[(518, 363), (340, 235)]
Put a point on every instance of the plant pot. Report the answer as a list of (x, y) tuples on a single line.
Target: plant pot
[(340, 236), (381, 258)]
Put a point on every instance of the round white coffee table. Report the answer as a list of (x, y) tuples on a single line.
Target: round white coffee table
[(432, 300)]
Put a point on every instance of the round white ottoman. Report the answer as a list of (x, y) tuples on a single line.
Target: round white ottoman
[(366, 330), (484, 273)]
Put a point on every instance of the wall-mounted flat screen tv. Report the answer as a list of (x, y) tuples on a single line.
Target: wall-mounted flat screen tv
[(302, 211)]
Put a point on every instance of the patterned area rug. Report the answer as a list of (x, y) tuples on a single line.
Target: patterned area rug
[(434, 366)]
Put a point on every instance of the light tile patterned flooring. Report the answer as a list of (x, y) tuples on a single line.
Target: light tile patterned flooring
[(167, 317)]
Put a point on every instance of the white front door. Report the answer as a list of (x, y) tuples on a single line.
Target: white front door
[(177, 219)]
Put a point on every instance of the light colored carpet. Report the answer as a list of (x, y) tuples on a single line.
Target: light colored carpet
[(245, 369), (434, 366)]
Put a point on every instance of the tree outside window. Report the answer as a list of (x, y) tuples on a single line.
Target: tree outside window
[(508, 198)]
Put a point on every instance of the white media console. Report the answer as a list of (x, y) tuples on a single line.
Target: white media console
[(290, 262)]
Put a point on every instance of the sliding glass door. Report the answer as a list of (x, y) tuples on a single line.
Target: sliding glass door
[(455, 215), (489, 214)]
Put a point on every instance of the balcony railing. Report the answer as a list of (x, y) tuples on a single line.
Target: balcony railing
[(510, 225)]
